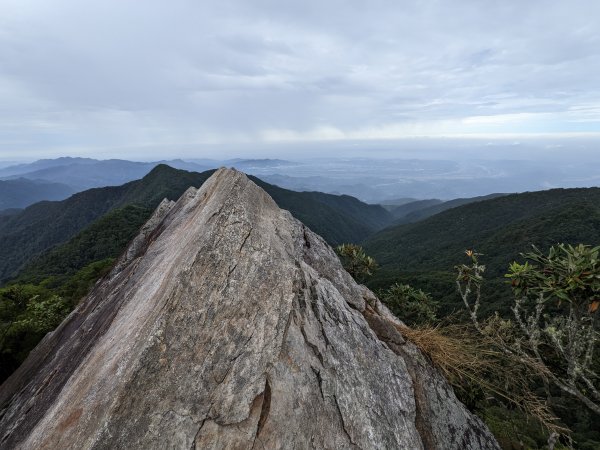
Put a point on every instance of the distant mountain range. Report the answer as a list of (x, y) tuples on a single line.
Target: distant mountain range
[(55, 179), (22, 192), (405, 209), (19, 169), (422, 209), (395, 202), (44, 225), (391, 182), (86, 173)]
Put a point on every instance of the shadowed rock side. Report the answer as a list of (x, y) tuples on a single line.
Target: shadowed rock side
[(228, 324)]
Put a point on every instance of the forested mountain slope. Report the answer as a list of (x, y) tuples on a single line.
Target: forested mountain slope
[(408, 208), (46, 224), (424, 253), (436, 208)]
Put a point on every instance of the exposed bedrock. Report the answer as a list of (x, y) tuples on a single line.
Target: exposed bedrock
[(228, 324)]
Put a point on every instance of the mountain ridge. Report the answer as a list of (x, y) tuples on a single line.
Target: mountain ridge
[(423, 212), (287, 337), (46, 224), (21, 192)]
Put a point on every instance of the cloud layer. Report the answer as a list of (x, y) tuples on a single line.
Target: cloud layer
[(119, 74)]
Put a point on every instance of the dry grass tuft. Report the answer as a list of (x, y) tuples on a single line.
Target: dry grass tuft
[(452, 349), (470, 361)]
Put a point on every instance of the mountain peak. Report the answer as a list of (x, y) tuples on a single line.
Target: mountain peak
[(228, 323), (160, 170)]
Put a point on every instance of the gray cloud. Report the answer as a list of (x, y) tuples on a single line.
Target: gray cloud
[(77, 76)]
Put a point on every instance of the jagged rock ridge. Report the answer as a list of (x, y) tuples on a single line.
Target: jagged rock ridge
[(228, 324)]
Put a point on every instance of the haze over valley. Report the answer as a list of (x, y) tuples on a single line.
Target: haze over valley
[(516, 168)]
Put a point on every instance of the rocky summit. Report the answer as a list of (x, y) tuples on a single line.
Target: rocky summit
[(229, 324)]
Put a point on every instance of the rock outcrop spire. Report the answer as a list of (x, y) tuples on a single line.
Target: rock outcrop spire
[(229, 324)]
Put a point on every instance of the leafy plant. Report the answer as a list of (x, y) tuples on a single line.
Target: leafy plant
[(41, 315), (356, 262), (556, 303), (413, 306), (554, 332), (29, 311)]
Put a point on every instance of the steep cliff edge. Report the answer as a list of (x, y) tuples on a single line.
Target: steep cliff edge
[(228, 324)]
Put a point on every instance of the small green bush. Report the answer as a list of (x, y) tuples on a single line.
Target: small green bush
[(411, 305)]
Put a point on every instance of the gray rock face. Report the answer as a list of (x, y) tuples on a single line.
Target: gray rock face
[(228, 324)]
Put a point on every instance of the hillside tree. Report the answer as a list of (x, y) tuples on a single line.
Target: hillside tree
[(555, 309)]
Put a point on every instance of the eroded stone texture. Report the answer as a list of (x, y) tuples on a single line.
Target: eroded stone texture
[(229, 324)]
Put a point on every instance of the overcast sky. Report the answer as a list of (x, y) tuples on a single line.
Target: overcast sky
[(145, 79)]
